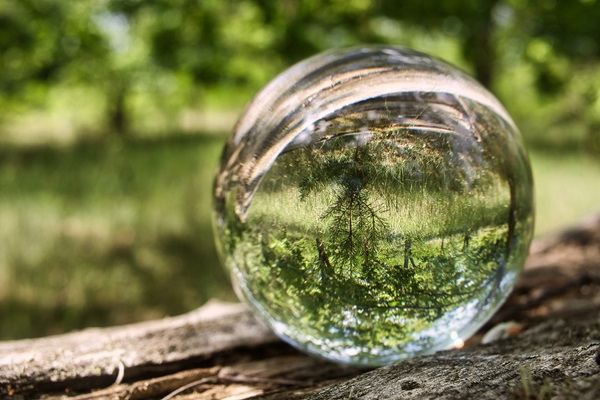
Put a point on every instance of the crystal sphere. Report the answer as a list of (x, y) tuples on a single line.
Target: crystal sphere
[(374, 204)]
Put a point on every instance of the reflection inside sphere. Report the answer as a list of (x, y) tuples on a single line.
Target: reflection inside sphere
[(374, 204)]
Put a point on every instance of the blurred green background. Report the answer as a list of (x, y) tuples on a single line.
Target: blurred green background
[(113, 114)]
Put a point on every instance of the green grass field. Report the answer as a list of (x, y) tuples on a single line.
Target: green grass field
[(567, 188), (106, 233), (115, 231)]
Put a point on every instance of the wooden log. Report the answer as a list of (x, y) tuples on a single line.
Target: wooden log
[(96, 357), (549, 360), (219, 351)]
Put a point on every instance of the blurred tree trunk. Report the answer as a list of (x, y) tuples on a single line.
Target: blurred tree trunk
[(592, 144), (118, 123), (479, 47)]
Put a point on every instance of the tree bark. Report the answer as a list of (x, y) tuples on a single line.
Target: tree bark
[(547, 345)]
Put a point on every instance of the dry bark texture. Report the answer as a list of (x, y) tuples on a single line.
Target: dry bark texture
[(551, 350)]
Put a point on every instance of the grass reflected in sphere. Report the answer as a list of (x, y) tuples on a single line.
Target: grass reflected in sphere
[(374, 204)]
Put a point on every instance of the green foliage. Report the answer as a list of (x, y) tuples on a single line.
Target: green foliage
[(44, 40), (106, 233), (131, 50)]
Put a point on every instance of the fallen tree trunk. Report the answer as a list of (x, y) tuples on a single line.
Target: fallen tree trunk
[(220, 351)]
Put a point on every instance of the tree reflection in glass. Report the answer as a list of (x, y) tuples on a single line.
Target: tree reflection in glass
[(374, 204)]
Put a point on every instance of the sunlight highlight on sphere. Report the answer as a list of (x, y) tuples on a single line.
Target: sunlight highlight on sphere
[(374, 204)]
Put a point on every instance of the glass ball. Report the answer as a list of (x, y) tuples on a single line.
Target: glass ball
[(374, 204)]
